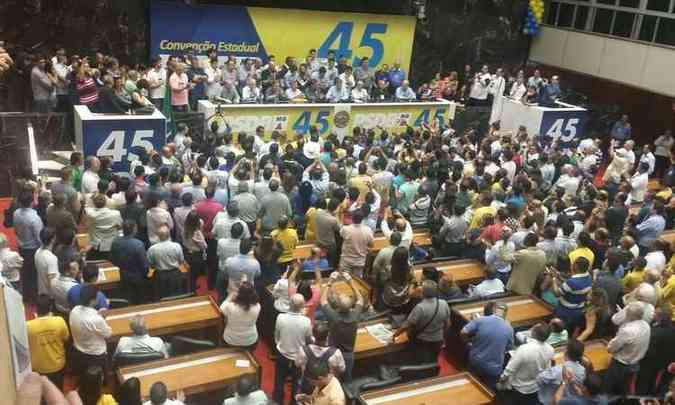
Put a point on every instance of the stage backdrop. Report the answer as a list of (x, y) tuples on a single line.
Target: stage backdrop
[(177, 29)]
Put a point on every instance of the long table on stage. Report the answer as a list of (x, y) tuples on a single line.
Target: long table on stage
[(169, 317), (368, 345), (595, 352), (194, 373), (458, 389), (464, 272)]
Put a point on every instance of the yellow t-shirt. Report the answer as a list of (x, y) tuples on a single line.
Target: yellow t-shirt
[(668, 293), (106, 399), (289, 240), (310, 225), (46, 338), (582, 252), (477, 219), (632, 280)]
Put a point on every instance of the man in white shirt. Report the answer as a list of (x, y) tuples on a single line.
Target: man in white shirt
[(140, 342), (496, 90), (166, 258), (89, 330), (569, 181), (405, 93), (69, 274), (648, 157), (214, 77), (627, 348), (338, 93), (156, 78), (90, 176), (104, 225), (347, 78), (251, 93), (639, 183), (292, 332), (527, 361), (490, 286), (359, 93), (46, 263), (293, 93), (478, 95)]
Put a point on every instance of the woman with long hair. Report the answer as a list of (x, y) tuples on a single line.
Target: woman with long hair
[(129, 393), (240, 316), (396, 289), (90, 389), (597, 316), (194, 243)]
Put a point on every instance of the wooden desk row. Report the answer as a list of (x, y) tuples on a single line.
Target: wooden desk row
[(668, 236), (422, 238), (523, 310), (170, 317), (464, 272), (194, 373), (110, 278), (459, 389), (595, 352)]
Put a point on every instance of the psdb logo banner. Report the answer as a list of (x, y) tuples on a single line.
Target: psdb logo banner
[(178, 29)]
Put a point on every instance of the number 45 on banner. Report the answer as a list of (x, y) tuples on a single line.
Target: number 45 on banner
[(342, 33), (114, 147)]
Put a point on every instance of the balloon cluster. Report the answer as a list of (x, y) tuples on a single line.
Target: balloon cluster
[(535, 15)]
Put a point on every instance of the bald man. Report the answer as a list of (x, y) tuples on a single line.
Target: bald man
[(293, 330), (166, 258), (627, 348)]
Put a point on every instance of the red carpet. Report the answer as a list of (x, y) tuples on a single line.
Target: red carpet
[(261, 353)]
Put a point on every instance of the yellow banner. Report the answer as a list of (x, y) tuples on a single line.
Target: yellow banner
[(291, 119), (384, 39)]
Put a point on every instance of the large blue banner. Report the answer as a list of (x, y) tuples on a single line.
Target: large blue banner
[(564, 125), (122, 140), (243, 32)]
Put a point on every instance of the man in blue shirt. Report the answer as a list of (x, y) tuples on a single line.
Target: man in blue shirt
[(621, 131), (128, 253), (197, 77), (89, 276), (651, 228), (396, 76), (550, 93), (573, 293), (490, 336), (27, 226)]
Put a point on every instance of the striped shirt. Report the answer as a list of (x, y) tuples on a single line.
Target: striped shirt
[(87, 91), (575, 291)]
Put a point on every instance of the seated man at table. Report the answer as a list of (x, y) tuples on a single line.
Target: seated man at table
[(490, 286), (89, 276), (490, 337), (166, 258), (327, 391), (140, 342), (427, 324)]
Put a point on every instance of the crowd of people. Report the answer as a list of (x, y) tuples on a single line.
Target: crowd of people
[(101, 83), (574, 224)]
